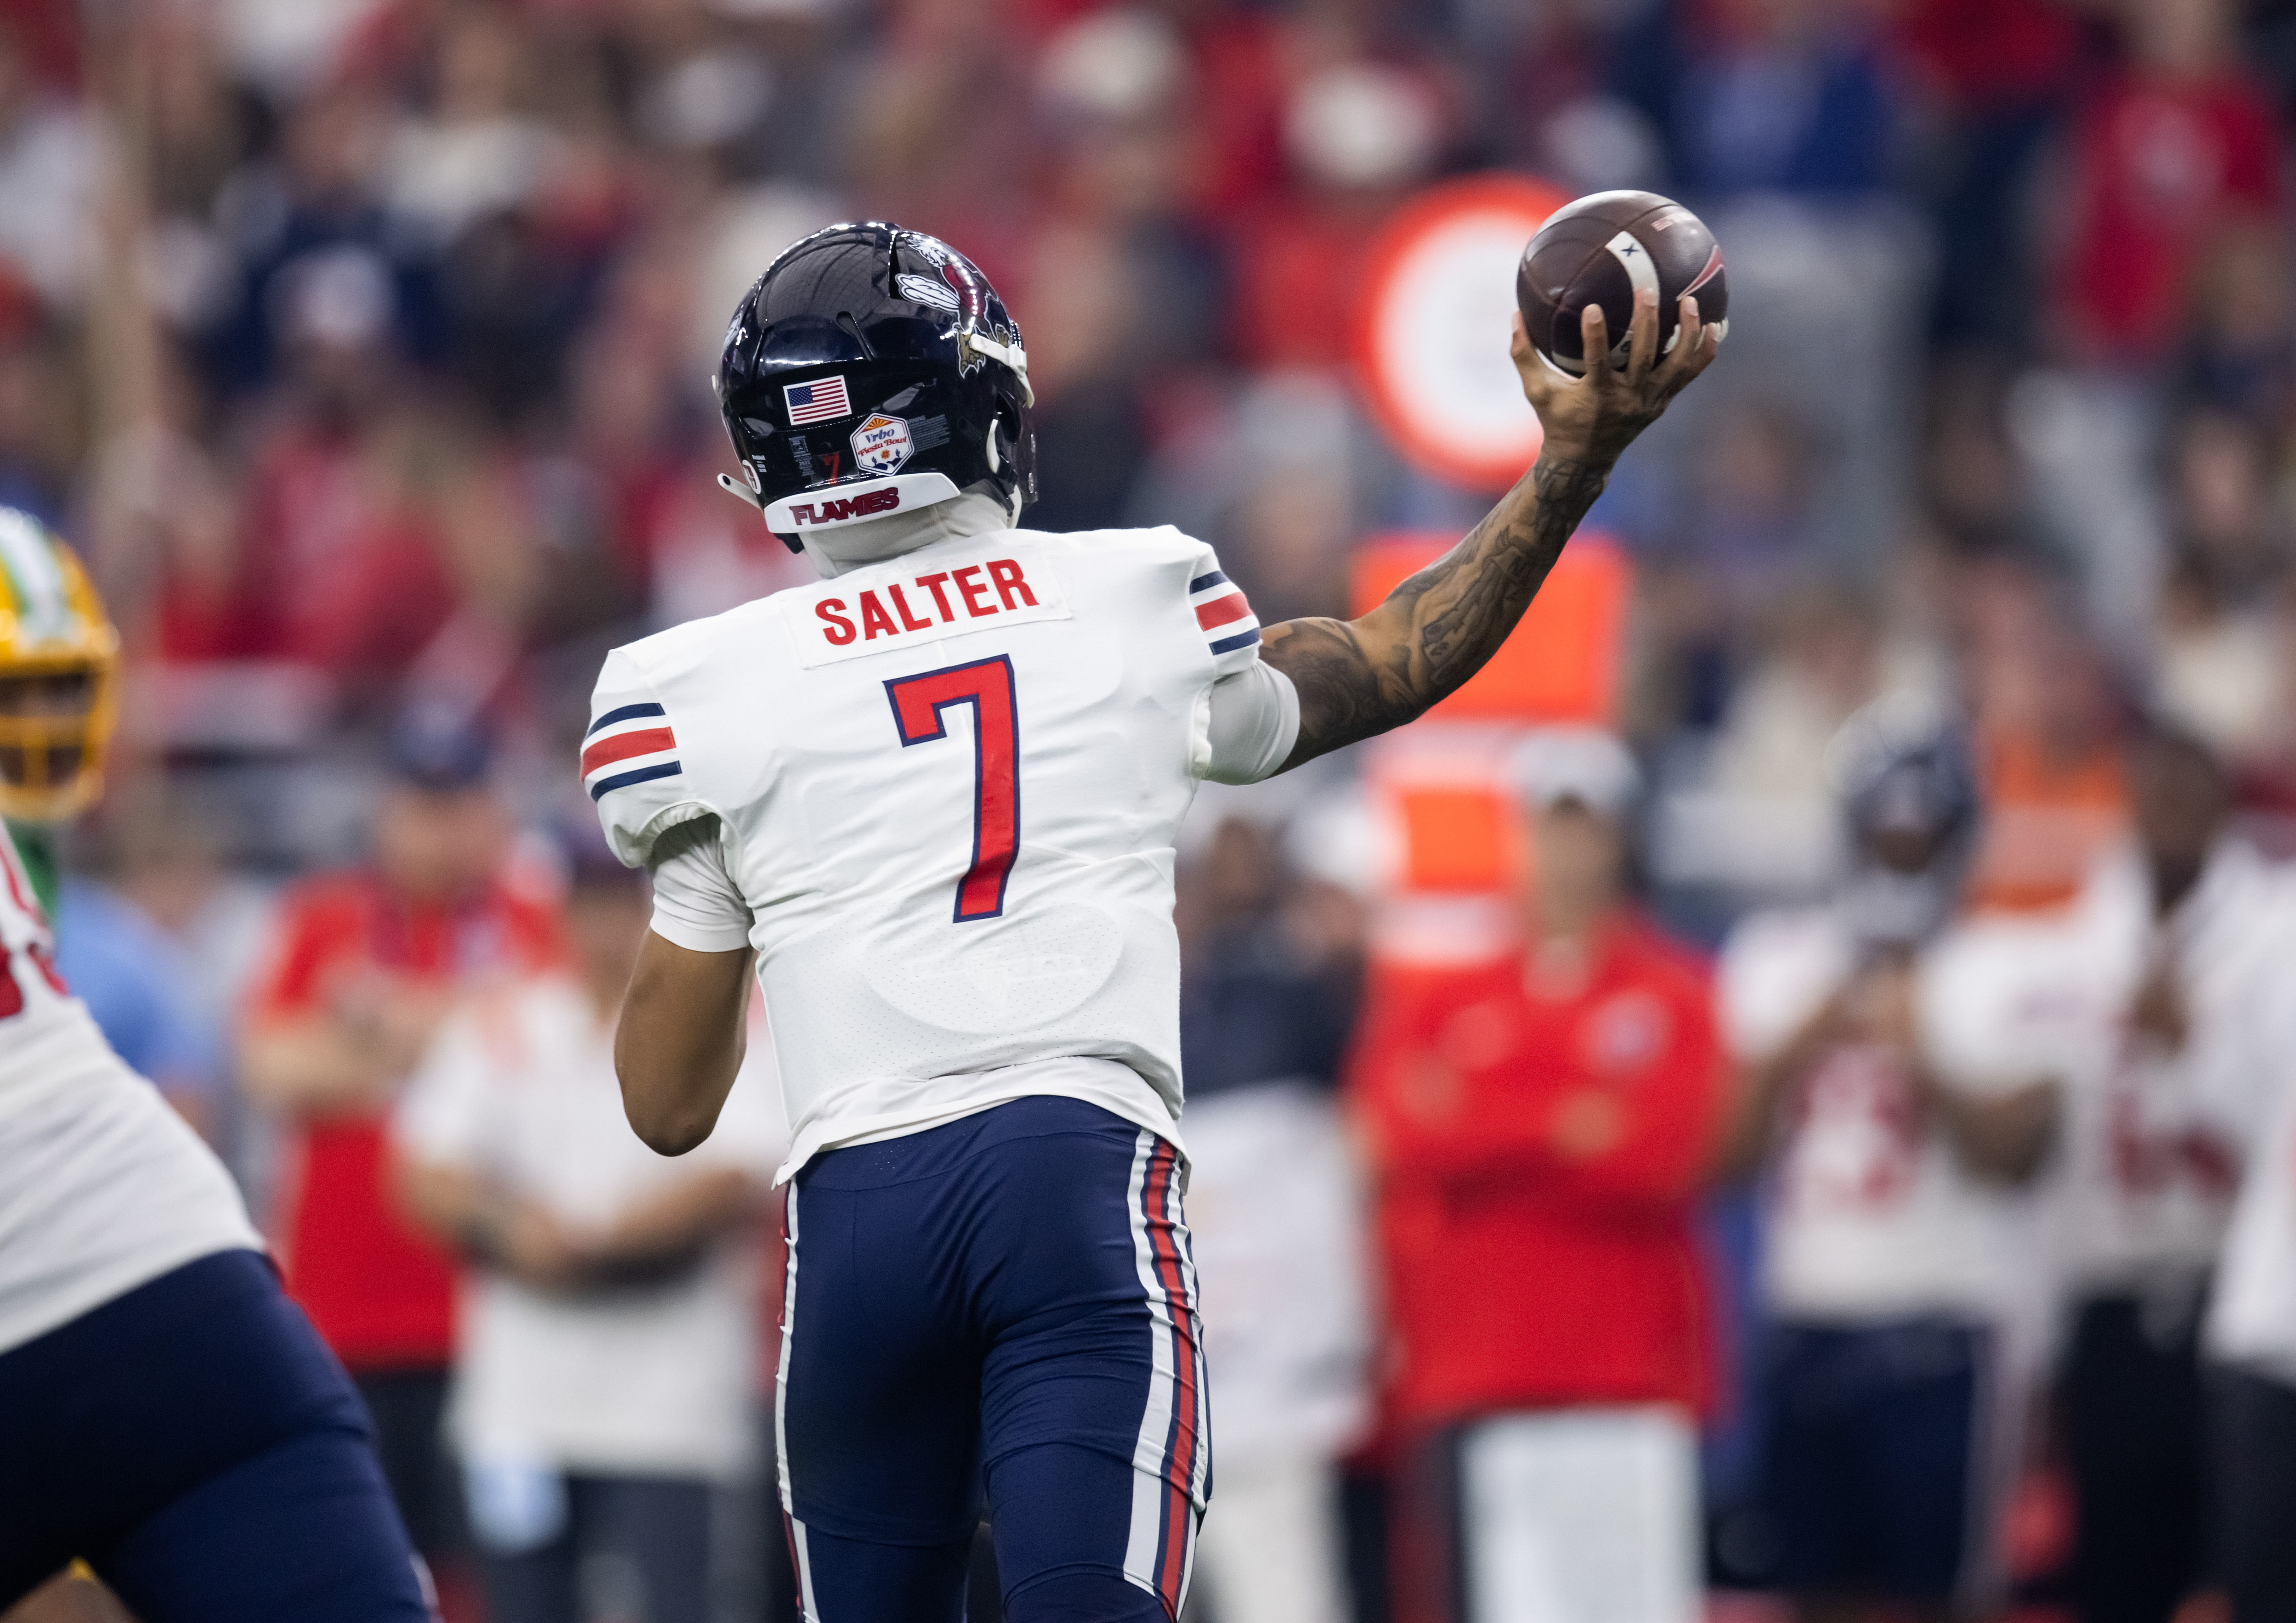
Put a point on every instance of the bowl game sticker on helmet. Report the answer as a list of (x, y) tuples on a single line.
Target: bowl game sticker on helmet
[(882, 444)]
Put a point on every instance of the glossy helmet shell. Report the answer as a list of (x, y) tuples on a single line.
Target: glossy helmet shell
[(1905, 774), (872, 369)]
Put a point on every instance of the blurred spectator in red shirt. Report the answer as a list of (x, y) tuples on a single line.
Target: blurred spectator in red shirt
[(1539, 1128), (2166, 154), (339, 564), (1360, 134), (364, 966)]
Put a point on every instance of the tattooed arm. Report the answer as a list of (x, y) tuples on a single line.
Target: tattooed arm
[(1360, 677)]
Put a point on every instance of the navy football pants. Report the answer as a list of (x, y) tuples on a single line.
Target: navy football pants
[(1874, 1455), (1004, 1305), (195, 1443)]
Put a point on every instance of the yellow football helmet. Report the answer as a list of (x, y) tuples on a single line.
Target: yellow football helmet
[(58, 676)]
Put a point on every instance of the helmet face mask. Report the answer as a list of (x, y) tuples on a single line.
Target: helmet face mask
[(59, 676), (52, 730), (873, 370)]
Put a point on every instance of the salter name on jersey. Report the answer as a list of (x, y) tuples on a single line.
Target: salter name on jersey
[(944, 791), (837, 621)]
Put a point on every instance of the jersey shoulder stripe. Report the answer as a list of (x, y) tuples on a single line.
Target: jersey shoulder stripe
[(628, 713), (632, 743), (1222, 612)]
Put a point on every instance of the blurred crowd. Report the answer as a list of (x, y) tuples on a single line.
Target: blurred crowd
[(363, 348)]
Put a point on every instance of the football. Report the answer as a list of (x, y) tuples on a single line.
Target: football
[(1604, 248)]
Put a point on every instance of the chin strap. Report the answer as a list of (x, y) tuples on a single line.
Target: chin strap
[(734, 488), (1013, 355)]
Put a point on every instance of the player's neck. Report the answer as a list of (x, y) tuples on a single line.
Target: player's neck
[(972, 512)]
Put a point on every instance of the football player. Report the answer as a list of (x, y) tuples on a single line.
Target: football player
[(165, 1414), (934, 799), (1900, 1062)]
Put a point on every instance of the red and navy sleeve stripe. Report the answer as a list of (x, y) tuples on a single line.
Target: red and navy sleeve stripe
[(631, 743), (1223, 613)]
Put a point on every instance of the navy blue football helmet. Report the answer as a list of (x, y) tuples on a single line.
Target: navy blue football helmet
[(873, 370), (1912, 811)]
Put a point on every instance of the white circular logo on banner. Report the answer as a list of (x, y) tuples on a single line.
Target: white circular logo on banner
[(1433, 346)]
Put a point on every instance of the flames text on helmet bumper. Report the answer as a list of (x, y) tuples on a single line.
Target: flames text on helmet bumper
[(857, 503)]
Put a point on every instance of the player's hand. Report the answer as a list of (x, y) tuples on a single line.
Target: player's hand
[(1593, 419), (2159, 1011), (1586, 1124), (1884, 1006), (535, 1247), (1832, 1023), (391, 1019)]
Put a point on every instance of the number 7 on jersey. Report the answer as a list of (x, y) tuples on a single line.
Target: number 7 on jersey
[(987, 685)]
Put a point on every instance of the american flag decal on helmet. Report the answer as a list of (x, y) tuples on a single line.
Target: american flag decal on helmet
[(630, 744), (1223, 611), (821, 400)]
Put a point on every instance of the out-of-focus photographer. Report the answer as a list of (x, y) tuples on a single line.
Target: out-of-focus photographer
[(1896, 1077), (602, 1385)]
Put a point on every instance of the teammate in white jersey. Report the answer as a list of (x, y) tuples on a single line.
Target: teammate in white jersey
[(934, 797), (165, 1414), (2250, 1340), (2183, 942), (1896, 1071)]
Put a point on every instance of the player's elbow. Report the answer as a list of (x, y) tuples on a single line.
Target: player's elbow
[(674, 1140), (670, 1116), (665, 1126)]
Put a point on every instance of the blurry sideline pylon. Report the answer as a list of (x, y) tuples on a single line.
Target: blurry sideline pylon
[(1435, 789)]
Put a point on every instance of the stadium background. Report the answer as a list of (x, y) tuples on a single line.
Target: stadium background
[(361, 346)]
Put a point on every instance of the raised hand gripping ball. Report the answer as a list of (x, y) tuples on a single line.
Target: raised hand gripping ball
[(1602, 250)]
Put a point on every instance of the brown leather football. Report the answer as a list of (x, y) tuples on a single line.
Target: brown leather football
[(1604, 248)]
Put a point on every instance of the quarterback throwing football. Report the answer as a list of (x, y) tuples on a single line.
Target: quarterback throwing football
[(934, 797)]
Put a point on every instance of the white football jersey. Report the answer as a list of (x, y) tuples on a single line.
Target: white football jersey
[(1874, 1215), (945, 789), (2252, 1309), (519, 1090), (2153, 1140), (102, 1186)]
